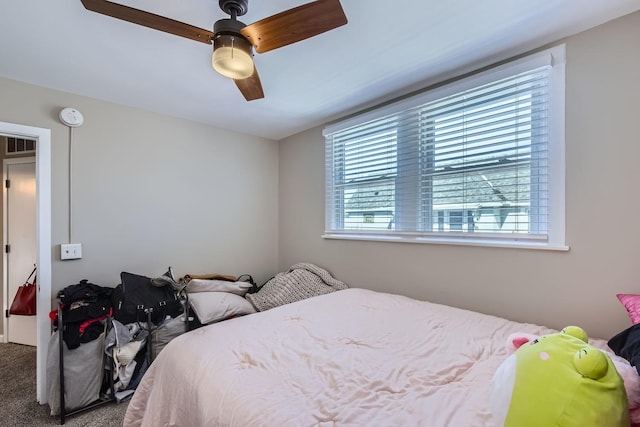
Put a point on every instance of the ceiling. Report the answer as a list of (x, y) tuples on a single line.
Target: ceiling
[(386, 50)]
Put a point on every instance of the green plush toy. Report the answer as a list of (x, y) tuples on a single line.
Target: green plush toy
[(558, 380)]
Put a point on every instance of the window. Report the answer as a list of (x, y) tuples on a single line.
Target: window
[(478, 161), (19, 146)]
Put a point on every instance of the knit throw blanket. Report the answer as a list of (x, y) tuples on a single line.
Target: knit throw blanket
[(302, 281)]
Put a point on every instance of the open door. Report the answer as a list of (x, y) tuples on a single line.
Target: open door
[(20, 235)]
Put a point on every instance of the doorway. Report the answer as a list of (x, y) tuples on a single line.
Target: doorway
[(19, 202), (43, 245)]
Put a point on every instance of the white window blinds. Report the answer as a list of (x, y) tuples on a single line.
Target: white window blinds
[(465, 164)]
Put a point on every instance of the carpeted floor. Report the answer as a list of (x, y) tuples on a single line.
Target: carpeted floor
[(18, 405)]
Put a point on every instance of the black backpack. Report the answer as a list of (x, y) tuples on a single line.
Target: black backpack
[(136, 298)]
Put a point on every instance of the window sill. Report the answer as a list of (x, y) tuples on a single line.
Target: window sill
[(517, 244)]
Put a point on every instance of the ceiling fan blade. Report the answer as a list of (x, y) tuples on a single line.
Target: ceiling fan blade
[(295, 24), (251, 87), (147, 19)]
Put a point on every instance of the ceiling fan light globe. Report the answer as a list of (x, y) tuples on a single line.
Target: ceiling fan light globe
[(232, 57)]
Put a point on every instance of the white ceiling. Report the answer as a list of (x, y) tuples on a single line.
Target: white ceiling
[(387, 49)]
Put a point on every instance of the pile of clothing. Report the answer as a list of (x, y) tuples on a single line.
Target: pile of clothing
[(84, 306), (126, 346)]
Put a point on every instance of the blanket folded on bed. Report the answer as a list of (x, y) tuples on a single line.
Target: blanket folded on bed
[(303, 280)]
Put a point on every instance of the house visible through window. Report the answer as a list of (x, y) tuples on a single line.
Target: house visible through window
[(470, 160)]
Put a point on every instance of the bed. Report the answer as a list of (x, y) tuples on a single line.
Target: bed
[(349, 358)]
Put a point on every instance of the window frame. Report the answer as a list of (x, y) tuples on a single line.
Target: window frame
[(555, 235)]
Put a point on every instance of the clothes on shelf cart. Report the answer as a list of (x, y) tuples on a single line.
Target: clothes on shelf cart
[(126, 346), (84, 305), (105, 338), (155, 303)]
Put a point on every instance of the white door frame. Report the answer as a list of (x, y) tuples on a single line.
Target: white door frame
[(43, 251), (6, 302)]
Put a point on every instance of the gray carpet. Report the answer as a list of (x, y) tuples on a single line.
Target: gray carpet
[(18, 405)]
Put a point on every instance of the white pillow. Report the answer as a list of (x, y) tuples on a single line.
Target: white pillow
[(213, 285), (213, 307)]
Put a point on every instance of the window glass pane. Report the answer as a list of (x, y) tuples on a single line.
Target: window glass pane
[(366, 182), (478, 153)]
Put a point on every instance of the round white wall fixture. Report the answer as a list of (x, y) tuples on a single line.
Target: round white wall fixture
[(71, 117)]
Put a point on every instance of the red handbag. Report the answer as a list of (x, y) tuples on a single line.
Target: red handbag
[(24, 303)]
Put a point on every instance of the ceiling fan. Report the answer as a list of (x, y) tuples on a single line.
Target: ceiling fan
[(233, 41)]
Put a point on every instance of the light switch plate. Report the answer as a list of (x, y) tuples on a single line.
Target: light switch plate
[(70, 251)]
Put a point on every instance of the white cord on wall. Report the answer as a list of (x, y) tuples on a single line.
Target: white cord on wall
[(72, 118), (70, 185)]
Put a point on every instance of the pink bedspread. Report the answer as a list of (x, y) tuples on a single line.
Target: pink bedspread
[(349, 358)]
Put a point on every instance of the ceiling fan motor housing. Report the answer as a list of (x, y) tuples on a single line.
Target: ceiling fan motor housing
[(234, 7), (228, 26), (231, 27)]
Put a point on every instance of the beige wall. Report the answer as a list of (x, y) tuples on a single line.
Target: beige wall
[(151, 191), (551, 288)]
